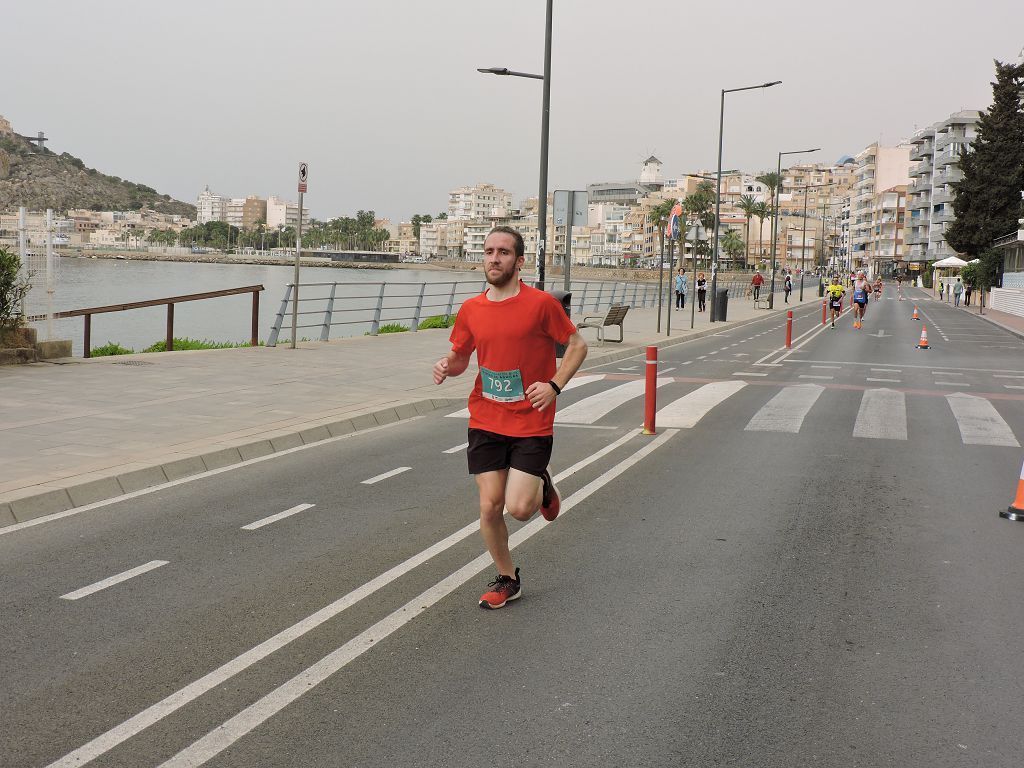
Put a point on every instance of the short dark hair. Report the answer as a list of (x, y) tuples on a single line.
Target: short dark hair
[(520, 246)]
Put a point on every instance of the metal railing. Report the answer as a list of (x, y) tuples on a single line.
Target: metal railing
[(170, 301), (365, 307)]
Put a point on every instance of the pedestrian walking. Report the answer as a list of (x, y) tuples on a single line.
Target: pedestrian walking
[(681, 289), (968, 287), (756, 282), (702, 291), (787, 287), (513, 329), (958, 288), (941, 289)]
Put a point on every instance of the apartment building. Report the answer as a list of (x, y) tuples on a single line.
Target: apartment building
[(284, 213), (935, 153), (210, 207), (478, 202), (878, 200)]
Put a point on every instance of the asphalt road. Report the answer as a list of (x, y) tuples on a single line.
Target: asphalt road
[(804, 567)]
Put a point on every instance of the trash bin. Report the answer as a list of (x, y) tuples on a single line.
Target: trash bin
[(721, 305), (565, 299)]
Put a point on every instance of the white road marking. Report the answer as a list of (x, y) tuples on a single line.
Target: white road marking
[(7, 530), (222, 737), (167, 706), (951, 384), (882, 415), (590, 409), (386, 475), (812, 376), (890, 381), (457, 448), (786, 411), (1005, 376), (748, 373), (631, 368), (740, 354), (1011, 386), (109, 582), (279, 516), (833, 367), (945, 373), (686, 411), (666, 370), (979, 421), (887, 370)]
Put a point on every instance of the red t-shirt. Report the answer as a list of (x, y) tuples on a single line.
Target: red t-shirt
[(757, 280), (514, 341)]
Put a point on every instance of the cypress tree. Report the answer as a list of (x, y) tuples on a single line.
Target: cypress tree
[(988, 200)]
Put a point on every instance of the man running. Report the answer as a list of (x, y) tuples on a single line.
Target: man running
[(860, 299), (513, 329), (899, 286), (835, 298)]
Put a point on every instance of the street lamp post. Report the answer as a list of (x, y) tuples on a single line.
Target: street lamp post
[(718, 191), (775, 217), (542, 196)]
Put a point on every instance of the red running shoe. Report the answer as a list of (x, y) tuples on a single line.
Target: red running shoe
[(551, 502), (503, 589)]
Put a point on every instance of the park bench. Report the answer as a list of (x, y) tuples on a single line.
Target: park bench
[(616, 314)]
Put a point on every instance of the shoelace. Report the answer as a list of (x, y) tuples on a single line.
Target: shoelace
[(502, 581)]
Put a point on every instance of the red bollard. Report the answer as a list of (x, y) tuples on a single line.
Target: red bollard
[(651, 390), (789, 329)]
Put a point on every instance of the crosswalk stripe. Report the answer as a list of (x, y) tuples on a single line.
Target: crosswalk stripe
[(786, 411), (685, 412), (979, 421), (882, 415), (590, 409), (576, 381)]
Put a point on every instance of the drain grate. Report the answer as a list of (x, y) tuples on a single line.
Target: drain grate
[(133, 362)]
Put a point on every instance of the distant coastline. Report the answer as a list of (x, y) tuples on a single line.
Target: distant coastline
[(223, 258)]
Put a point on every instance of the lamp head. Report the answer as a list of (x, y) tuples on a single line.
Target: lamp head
[(773, 82), (493, 70)]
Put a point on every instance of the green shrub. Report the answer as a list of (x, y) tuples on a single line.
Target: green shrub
[(437, 321), (392, 328), (186, 343), (14, 286), (110, 348)]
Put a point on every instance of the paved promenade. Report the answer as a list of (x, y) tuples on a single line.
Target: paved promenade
[(74, 432)]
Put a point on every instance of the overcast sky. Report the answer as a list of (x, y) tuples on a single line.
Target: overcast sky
[(384, 102)]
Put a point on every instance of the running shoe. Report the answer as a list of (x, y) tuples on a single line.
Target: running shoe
[(551, 501), (502, 589)]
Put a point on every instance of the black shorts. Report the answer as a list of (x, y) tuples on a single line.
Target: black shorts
[(490, 452), (861, 304)]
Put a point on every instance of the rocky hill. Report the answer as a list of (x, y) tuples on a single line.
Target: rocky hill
[(40, 179)]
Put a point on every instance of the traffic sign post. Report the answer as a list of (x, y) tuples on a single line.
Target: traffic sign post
[(303, 177)]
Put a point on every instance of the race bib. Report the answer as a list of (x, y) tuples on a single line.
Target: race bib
[(859, 295), (502, 386)]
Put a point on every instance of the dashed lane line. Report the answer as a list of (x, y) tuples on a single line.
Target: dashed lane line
[(385, 475), (111, 581), (279, 516)]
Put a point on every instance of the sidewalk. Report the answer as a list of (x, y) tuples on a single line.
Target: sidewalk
[(1012, 323), (74, 432)]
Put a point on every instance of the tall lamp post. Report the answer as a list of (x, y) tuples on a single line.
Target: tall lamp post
[(775, 217), (718, 191), (542, 196)]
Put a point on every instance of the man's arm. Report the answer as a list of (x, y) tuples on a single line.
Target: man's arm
[(541, 394), (452, 364)]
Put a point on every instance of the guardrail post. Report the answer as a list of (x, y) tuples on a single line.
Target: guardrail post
[(451, 301), (88, 335), (419, 308), (376, 315), (275, 329), (170, 327), (583, 300), (254, 340), (325, 332)]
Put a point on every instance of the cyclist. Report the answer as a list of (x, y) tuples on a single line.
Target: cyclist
[(835, 298), (861, 288)]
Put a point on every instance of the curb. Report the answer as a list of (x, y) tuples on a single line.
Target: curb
[(104, 489)]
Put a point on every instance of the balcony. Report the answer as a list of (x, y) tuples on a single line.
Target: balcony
[(950, 174), (946, 159), (945, 217), (946, 139), (942, 195)]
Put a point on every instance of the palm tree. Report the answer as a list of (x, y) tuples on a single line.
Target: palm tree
[(747, 204), (700, 205), (732, 243), (762, 210)]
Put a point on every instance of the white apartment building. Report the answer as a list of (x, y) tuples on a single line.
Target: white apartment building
[(935, 152), (478, 202), (284, 213), (878, 208), (210, 207)]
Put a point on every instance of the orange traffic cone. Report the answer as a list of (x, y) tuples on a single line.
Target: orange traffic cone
[(923, 344), (1016, 510), (915, 317)]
